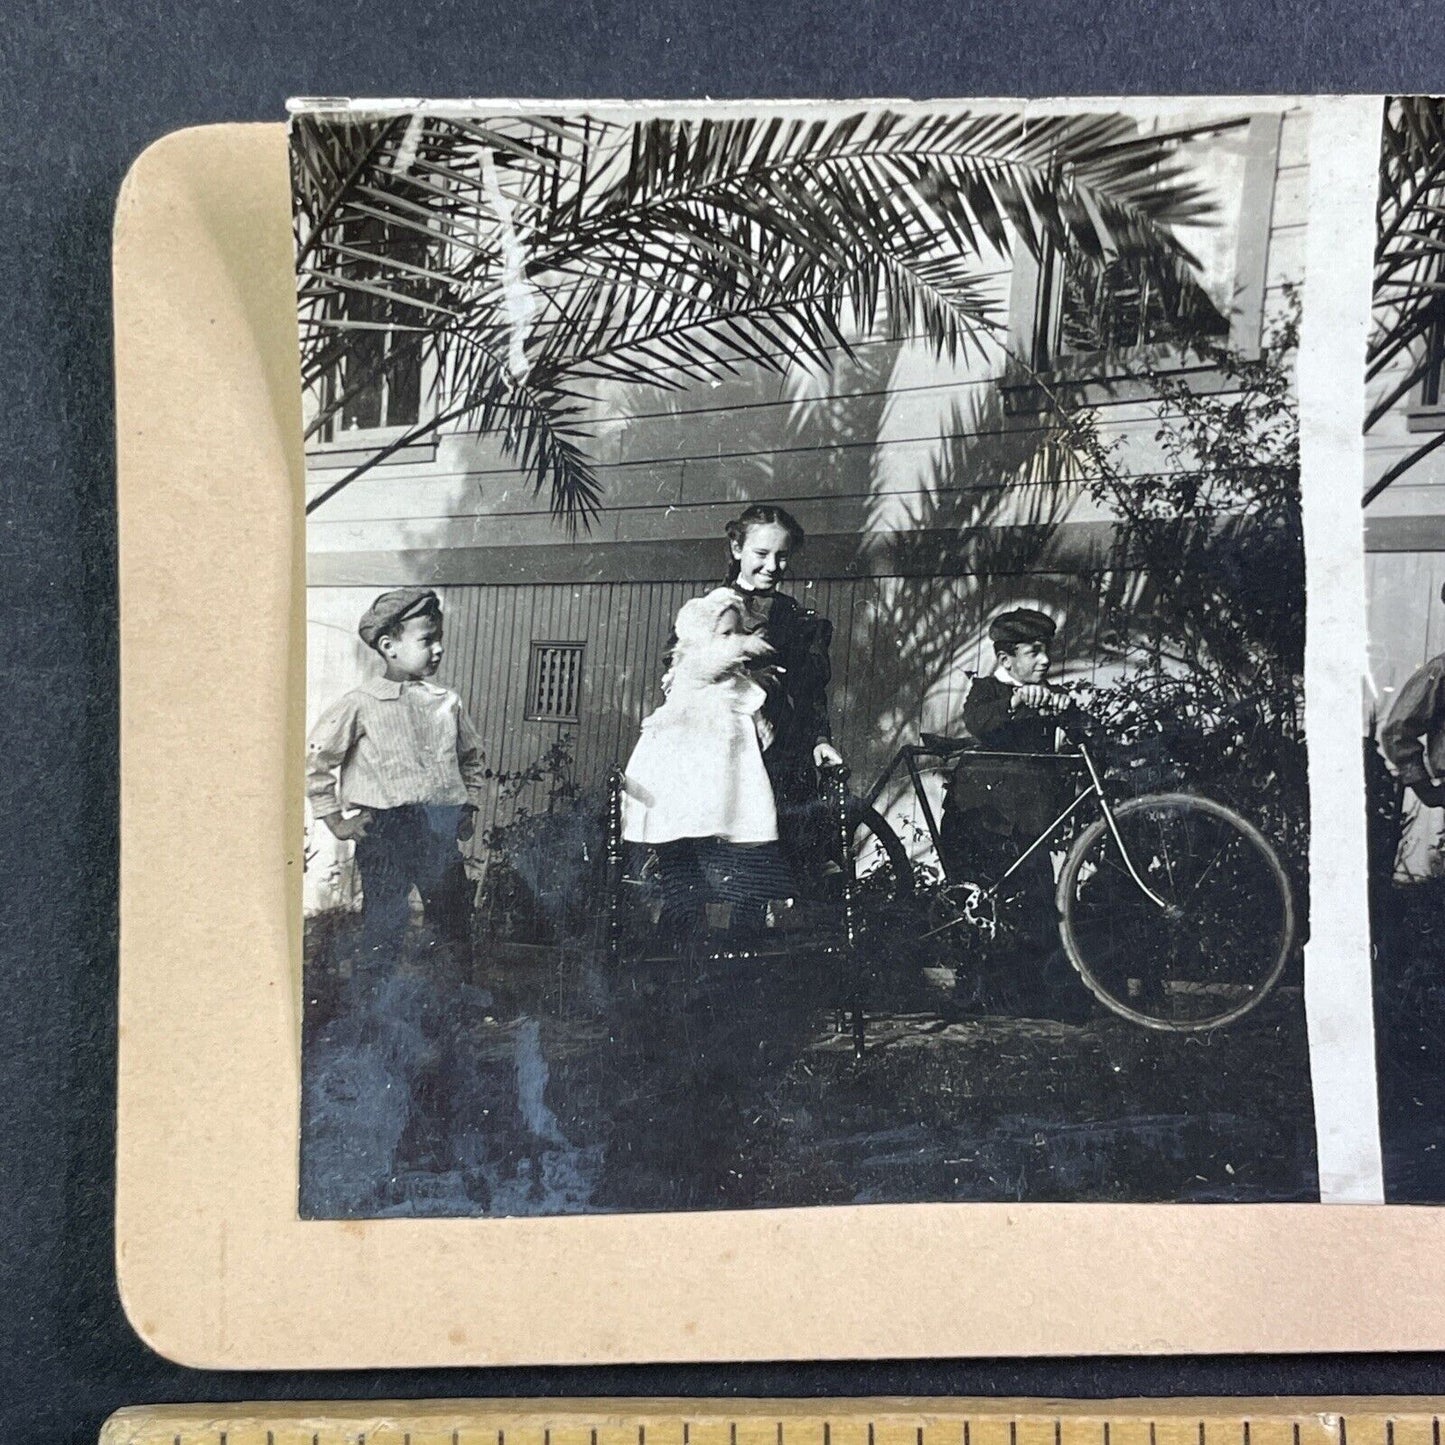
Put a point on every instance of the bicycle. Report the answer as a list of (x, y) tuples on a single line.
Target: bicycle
[(1174, 910)]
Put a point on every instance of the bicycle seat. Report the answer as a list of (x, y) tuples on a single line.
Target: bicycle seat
[(947, 747)]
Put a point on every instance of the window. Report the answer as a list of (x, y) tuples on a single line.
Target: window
[(1427, 410), (375, 386), (377, 382), (1071, 313), (554, 682), (1114, 307)]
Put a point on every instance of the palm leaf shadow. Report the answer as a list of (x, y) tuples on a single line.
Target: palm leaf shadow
[(984, 532)]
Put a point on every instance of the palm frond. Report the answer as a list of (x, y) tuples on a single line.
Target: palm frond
[(668, 251), (1407, 329)]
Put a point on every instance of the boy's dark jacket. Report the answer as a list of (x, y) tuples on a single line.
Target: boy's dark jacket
[(1017, 796)]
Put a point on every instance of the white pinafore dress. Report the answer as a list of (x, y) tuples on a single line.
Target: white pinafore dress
[(697, 770)]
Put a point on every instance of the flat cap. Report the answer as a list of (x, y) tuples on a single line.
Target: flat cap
[(1023, 624), (393, 608)]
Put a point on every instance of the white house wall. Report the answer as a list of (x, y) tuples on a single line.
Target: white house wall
[(886, 451)]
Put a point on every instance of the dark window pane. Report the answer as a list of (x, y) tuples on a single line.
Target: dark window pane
[(1435, 339), (404, 382), (1113, 307), (361, 382)]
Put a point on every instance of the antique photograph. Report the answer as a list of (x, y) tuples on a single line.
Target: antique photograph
[(806, 644), (1404, 504)]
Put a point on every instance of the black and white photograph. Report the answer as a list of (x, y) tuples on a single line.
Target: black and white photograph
[(1405, 706), (805, 651)]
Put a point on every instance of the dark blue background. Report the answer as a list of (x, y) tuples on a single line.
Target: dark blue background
[(83, 88)]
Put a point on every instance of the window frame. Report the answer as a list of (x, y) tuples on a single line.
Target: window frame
[(1424, 415), (1097, 377), (355, 445)]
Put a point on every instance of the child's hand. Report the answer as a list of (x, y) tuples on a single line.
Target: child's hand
[(352, 829), (825, 755), (1037, 696), (754, 646), (466, 824)]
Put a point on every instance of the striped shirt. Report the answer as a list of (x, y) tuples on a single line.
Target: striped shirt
[(385, 744)]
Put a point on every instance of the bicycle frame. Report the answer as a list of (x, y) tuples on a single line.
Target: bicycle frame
[(910, 754)]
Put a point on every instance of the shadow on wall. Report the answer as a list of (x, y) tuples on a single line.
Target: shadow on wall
[(981, 532)]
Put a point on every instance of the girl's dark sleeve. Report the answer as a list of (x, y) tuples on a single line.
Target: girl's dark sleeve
[(820, 728)]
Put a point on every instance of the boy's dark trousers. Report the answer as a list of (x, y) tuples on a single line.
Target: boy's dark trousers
[(411, 845)]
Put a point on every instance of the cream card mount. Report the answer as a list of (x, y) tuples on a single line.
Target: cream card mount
[(216, 1267)]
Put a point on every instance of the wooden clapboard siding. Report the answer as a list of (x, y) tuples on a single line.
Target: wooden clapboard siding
[(1406, 618)]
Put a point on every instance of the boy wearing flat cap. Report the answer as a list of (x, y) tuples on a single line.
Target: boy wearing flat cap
[(996, 806), (395, 766)]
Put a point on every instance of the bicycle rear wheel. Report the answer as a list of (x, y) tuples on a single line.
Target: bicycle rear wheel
[(1219, 943)]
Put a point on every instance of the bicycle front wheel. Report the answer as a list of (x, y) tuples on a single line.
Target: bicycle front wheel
[(1188, 925)]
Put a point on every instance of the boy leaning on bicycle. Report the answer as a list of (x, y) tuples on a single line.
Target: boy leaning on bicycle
[(1000, 802)]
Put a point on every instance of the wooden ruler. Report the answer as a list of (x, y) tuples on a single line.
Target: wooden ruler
[(1215, 1421)]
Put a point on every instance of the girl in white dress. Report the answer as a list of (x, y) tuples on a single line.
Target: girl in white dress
[(743, 732), (697, 770)]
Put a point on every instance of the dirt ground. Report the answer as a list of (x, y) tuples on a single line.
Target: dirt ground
[(534, 1081), (1409, 928)]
